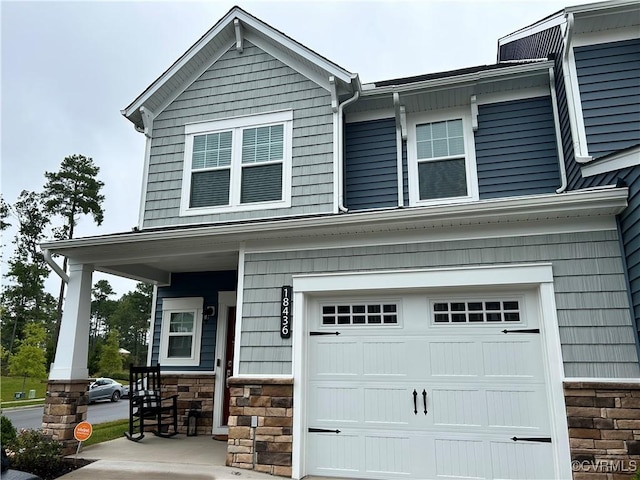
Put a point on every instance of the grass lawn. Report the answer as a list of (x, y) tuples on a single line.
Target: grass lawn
[(103, 432), (10, 385)]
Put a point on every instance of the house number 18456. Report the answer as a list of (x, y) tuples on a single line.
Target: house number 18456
[(285, 312)]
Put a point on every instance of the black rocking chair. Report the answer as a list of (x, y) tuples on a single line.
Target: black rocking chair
[(147, 407)]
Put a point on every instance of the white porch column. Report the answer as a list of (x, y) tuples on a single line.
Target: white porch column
[(73, 343)]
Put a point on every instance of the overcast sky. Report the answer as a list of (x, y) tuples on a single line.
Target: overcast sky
[(68, 68)]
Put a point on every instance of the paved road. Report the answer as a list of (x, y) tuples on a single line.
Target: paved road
[(98, 413)]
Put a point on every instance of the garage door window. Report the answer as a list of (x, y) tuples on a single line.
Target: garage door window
[(360, 314), (489, 311)]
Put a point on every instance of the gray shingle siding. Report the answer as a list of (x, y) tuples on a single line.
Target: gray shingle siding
[(608, 77), (516, 151), (371, 165), (589, 286), (244, 84)]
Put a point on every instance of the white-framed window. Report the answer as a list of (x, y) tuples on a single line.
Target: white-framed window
[(442, 165), (235, 164), (181, 331)]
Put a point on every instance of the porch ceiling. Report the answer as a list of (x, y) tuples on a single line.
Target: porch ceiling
[(152, 255)]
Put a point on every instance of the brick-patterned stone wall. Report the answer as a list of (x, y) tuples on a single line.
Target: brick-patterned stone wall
[(266, 447), (64, 407), (194, 391), (604, 429)]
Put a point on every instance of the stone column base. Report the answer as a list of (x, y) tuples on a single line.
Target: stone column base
[(266, 447), (64, 407), (604, 429)]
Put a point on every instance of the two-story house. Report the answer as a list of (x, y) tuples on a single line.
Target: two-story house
[(412, 278)]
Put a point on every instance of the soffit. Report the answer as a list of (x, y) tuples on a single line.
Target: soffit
[(456, 91), (154, 255), (600, 21)]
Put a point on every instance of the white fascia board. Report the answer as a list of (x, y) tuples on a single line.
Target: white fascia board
[(629, 158), (330, 67), (495, 75), (596, 8), (284, 57), (181, 62), (612, 199)]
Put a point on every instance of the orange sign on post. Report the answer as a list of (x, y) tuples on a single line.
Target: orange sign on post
[(82, 431)]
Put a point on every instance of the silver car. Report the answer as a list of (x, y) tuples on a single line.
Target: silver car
[(105, 389)]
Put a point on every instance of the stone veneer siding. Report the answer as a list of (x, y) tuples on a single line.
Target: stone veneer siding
[(194, 391), (64, 407), (604, 429), (267, 447)]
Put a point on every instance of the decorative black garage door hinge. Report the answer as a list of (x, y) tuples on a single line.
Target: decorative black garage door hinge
[(530, 330), (323, 430), (532, 439), (313, 334)]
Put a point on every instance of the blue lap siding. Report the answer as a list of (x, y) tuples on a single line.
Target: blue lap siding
[(371, 165), (197, 284), (516, 151), (609, 80)]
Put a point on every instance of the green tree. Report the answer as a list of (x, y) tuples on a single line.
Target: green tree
[(110, 359), (131, 318), (102, 308), (4, 214), (73, 191), (29, 359), (24, 298)]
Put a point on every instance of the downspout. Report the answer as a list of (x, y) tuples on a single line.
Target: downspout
[(401, 134), (347, 102), (54, 266), (556, 123), (568, 85)]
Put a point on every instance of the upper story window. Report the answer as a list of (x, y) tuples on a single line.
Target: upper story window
[(242, 163), (442, 166)]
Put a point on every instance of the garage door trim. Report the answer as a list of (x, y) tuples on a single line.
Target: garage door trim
[(537, 275)]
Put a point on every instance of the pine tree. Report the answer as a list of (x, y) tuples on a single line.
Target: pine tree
[(73, 191)]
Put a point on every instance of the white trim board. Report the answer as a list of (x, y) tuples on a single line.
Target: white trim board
[(539, 276), (226, 300), (239, 303), (618, 161)]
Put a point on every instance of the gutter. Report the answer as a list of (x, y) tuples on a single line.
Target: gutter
[(610, 199), (54, 266), (401, 134), (458, 80), (340, 167), (556, 123)]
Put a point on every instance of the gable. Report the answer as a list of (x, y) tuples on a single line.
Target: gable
[(232, 31), (244, 84)]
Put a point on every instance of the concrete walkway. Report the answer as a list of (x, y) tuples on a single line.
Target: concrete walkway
[(179, 457)]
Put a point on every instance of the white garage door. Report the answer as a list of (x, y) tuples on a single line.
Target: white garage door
[(421, 386)]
